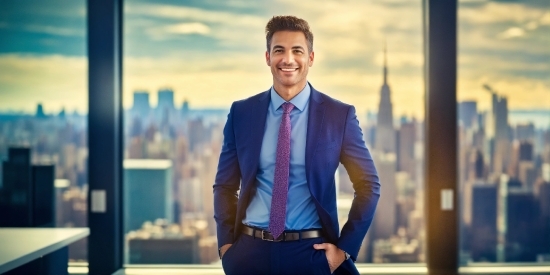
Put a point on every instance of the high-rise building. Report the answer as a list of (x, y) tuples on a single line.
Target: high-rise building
[(543, 198), (147, 192), (405, 154), (525, 132), (197, 133), (43, 177), (141, 105), (527, 173), (17, 191), (40, 111), (467, 113), (136, 127), (385, 132), (483, 242), (166, 99), (498, 132), (500, 115), (27, 196), (525, 151), (521, 217), (165, 107), (384, 224), (185, 107)]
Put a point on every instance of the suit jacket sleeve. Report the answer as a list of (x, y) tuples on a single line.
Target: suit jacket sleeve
[(226, 185), (359, 164)]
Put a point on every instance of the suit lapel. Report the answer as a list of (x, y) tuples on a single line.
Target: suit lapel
[(256, 126), (314, 126)]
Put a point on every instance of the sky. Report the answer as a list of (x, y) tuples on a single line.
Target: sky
[(211, 53)]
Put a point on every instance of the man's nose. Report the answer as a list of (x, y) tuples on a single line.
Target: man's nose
[(288, 57)]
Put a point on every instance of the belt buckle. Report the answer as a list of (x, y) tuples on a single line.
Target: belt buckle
[(264, 233), (264, 238)]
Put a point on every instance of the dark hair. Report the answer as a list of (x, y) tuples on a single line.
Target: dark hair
[(288, 23)]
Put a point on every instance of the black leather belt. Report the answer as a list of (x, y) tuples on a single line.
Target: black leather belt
[(285, 236)]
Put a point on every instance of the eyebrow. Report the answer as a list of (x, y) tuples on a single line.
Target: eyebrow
[(294, 47)]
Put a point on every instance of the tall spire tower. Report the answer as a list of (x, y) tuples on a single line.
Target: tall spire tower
[(385, 133), (385, 65)]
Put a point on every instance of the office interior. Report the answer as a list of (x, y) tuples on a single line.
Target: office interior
[(467, 181)]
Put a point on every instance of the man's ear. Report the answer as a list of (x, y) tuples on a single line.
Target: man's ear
[(267, 58), (311, 57)]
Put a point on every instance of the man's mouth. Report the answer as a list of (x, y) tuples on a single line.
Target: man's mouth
[(288, 69)]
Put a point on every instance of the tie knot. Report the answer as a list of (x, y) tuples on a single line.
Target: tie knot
[(287, 107)]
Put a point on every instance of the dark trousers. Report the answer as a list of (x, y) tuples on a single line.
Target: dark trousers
[(249, 255)]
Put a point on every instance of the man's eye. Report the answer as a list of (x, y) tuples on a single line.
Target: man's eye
[(298, 51)]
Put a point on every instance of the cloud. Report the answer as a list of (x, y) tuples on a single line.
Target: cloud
[(214, 57), (498, 12), (164, 22), (56, 81), (188, 28), (61, 31), (532, 25), (511, 33), (545, 19), (514, 32), (196, 14), (349, 42), (168, 31), (497, 64)]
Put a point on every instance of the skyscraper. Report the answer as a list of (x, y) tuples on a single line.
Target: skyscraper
[(484, 222), (27, 196), (40, 111), (405, 154), (185, 107), (521, 217), (467, 112), (166, 99), (384, 222), (141, 105), (165, 110), (147, 192), (385, 133), (543, 198), (16, 195), (525, 132), (500, 111), (500, 131)]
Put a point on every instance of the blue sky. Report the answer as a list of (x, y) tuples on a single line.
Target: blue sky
[(212, 52)]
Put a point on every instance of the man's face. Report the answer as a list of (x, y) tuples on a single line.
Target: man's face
[(289, 58)]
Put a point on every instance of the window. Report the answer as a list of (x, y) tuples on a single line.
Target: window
[(43, 104), (185, 64), (504, 134)]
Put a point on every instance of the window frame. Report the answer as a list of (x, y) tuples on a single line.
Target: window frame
[(106, 240)]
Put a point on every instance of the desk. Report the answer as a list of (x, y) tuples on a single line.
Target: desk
[(19, 246)]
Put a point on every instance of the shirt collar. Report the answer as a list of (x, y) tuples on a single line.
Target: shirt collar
[(299, 101)]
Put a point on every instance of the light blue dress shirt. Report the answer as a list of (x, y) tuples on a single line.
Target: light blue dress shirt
[(300, 209)]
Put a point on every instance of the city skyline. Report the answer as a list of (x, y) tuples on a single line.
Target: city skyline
[(189, 49), (195, 59), (188, 140)]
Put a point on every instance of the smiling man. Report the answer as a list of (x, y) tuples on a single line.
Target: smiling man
[(275, 192)]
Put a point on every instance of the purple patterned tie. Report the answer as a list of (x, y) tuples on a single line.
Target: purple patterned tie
[(282, 169)]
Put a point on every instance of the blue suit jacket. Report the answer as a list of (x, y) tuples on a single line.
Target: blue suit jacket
[(333, 136)]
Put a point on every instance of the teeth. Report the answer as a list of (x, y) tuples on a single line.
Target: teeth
[(288, 70)]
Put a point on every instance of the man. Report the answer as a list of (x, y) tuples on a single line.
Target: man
[(281, 149)]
